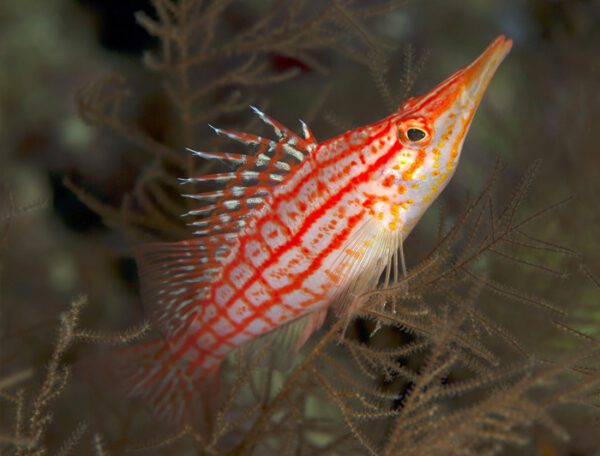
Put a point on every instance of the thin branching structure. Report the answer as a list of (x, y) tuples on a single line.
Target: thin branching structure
[(31, 396), (398, 399), (33, 407), (197, 65), (436, 374)]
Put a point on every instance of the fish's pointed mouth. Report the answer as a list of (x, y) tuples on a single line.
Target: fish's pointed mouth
[(477, 76), (461, 92)]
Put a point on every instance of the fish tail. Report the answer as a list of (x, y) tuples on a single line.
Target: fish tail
[(174, 388)]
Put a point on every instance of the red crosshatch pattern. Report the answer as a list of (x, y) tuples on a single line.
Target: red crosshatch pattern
[(259, 321), (294, 225)]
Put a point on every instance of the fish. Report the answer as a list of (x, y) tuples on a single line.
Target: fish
[(293, 229)]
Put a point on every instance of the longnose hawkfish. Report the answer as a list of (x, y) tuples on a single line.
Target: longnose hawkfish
[(297, 227)]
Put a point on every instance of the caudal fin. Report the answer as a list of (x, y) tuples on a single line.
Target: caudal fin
[(174, 389)]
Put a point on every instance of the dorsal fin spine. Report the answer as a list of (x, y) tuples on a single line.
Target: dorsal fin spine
[(220, 177), (308, 136), (200, 211), (253, 140), (281, 131), (227, 156)]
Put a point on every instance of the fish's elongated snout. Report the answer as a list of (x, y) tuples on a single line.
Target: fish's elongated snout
[(461, 93), (444, 114), (478, 74)]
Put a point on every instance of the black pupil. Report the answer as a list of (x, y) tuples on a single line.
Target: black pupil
[(414, 134)]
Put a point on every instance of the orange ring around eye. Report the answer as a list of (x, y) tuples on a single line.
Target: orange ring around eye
[(414, 132)]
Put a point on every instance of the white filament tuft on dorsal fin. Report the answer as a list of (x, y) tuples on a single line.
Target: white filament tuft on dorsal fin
[(249, 187), (308, 136), (237, 159)]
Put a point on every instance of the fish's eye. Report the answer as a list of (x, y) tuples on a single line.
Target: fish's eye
[(416, 134)]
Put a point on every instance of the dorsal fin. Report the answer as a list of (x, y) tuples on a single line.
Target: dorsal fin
[(176, 276), (308, 143), (308, 135), (249, 186)]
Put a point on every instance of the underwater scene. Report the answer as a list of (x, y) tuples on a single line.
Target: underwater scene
[(300, 227)]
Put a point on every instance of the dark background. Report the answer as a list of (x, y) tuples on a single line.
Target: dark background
[(544, 103)]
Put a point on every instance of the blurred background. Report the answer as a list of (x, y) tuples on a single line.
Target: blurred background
[(544, 103)]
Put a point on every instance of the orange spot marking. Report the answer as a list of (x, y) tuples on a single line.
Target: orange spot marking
[(332, 276), (408, 174)]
